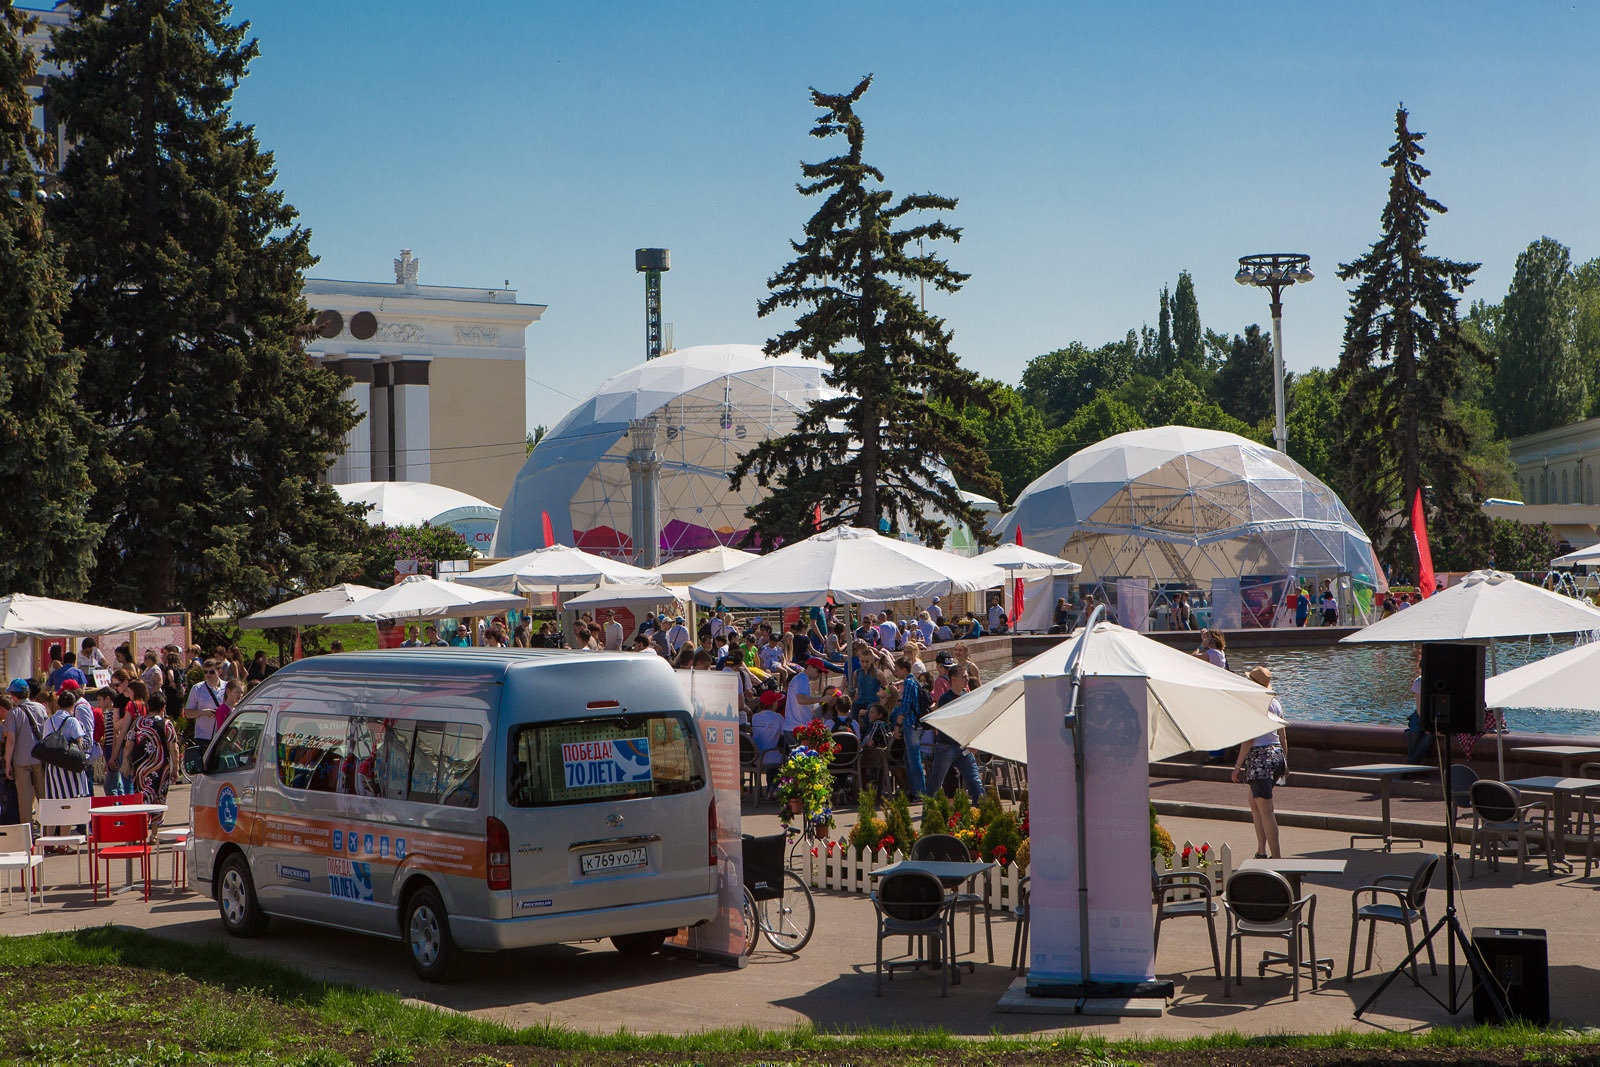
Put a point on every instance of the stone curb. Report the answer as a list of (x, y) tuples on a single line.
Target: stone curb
[(1311, 820)]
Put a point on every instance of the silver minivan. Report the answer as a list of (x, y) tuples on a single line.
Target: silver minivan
[(462, 799)]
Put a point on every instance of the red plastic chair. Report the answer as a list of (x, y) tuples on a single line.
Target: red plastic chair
[(105, 802), (121, 837)]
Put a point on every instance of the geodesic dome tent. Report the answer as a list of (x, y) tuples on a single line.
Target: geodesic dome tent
[(1232, 524), (713, 402)]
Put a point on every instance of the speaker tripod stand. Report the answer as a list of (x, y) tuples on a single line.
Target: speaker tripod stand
[(1449, 925)]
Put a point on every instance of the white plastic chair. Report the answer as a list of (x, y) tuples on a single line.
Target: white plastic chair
[(16, 854), (74, 812), (177, 840)]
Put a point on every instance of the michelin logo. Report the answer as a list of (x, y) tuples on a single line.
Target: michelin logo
[(294, 874)]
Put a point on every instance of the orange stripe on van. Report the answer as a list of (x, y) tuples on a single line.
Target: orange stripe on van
[(425, 850)]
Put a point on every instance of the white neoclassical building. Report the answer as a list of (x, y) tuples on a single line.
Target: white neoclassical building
[(437, 371), (1558, 471)]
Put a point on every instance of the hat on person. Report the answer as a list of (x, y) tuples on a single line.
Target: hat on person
[(18, 685), (817, 663), (770, 698), (1260, 675), (945, 659), (70, 683)]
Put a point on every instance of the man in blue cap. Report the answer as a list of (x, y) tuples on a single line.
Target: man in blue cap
[(24, 728)]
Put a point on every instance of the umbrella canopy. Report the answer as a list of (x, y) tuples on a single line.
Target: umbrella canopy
[(1485, 605), (1564, 681), (1584, 556), (1021, 562), (420, 597), (849, 564), (22, 615), (308, 610), (619, 595), (558, 567), (1194, 704), (704, 564)]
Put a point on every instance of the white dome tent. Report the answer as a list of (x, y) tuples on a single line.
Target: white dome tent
[(714, 402), (1232, 523), (415, 503)]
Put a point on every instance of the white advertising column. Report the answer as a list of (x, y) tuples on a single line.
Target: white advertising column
[(1117, 816), (714, 696), (354, 464)]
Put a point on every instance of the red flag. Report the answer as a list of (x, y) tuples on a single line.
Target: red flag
[(549, 536), (298, 654), (816, 518), (1016, 590), (1419, 530)]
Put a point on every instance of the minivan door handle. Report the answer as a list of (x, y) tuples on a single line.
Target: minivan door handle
[(247, 792), (633, 839)]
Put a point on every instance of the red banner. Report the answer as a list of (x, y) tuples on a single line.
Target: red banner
[(1016, 591), (1419, 530)]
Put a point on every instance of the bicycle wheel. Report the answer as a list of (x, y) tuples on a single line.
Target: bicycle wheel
[(752, 924), (787, 922)]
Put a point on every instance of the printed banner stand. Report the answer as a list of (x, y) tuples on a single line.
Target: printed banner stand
[(714, 696)]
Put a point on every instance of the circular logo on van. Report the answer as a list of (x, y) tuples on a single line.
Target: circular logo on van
[(227, 809)]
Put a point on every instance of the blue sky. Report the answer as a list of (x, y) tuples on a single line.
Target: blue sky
[(1096, 150)]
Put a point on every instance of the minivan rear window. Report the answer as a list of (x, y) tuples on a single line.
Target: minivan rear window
[(616, 757)]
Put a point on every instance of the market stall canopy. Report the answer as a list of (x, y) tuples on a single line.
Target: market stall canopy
[(547, 570), (22, 615), (1582, 557), (1022, 562), (308, 610), (850, 565), (419, 597), (703, 564), (1482, 606), (623, 595), (1565, 682), (1194, 704)]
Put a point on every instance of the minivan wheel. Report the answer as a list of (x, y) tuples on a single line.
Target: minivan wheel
[(640, 944), (236, 899), (427, 935)]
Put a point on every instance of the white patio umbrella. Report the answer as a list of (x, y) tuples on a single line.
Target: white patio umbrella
[(1195, 706), (703, 564), (629, 595), (22, 615), (555, 568), (419, 597), (1484, 606), (308, 610), (1565, 681), (849, 564), (1584, 556), (1023, 562)]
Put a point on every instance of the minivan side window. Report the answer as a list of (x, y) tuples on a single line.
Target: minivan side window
[(618, 757), (393, 759), (311, 750), (444, 764), (236, 749)]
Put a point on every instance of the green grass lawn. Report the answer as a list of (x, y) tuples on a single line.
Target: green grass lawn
[(125, 998), (356, 636)]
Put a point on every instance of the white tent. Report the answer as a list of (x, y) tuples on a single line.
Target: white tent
[(414, 503), (1195, 705), (1583, 557), (308, 610), (556, 568), (851, 565), (419, 597), (22, 615), (703, 564), (628, 596), (1565, 681), (1022, 562)]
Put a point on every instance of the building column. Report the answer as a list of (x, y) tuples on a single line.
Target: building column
[(413, 450), (380, 425), (644, 468), (354, 464)]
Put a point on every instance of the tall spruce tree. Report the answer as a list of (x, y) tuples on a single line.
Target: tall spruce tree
[(187, 269), (870, 456), (1402, 360), (1244, 383), (1542, 381), (46, 539)]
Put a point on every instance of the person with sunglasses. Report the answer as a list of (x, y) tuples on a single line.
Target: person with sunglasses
[(204, 699)]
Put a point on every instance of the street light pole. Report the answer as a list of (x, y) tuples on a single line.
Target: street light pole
[(1275, 272)]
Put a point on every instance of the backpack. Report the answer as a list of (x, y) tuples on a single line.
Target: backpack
[(924, 701)]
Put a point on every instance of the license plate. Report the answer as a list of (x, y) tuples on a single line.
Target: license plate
[(620, 859)]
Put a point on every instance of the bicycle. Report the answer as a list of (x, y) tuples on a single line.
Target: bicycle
[(777, 901)]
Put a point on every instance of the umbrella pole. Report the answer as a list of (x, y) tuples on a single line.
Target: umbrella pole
[(1500, 719)]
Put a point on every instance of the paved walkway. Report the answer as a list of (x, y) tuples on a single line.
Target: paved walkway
[(830, 983)]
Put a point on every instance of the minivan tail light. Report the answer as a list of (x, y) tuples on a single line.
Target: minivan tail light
[(711, 821), (499, 854)]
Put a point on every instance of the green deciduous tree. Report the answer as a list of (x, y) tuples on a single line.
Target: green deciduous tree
[(1166, 355), (1104, 416), (46, 538), (188, 269), (1541, 381), (378, 547), (1061, 382), (1401, 362), (1312, 418), (1187, 340), (872, 454)]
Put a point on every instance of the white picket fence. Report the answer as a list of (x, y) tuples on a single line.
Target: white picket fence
[(1000, 887)]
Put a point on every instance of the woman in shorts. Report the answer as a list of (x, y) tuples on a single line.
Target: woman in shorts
[(1261, 764)]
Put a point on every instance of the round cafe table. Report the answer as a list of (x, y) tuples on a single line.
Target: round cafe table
[(126, 809)]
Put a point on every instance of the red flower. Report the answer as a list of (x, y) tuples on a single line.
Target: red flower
[(1186, 850), (1205, 847), (813, 850)]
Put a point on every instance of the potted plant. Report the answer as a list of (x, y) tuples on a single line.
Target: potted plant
[(805, 785)]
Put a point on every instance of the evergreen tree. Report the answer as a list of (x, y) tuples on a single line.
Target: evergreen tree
[(1166, 355), (870, 456), (188, 270), (1188, 350), (48, 541), (1541, 382), (1244, 384), (1402, 361)]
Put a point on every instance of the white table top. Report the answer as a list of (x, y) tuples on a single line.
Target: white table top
[(1555, 783), (128, 809), (1384, 770), (1559, 750), (1294, 865)]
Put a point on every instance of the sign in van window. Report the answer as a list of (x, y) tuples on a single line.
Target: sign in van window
[(311, 750), (615, 758)]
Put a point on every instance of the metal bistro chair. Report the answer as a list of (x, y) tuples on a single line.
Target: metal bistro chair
[(1459, 798), (1587, 806), (1262, 904), (943, 848), (1169, 887), (1019, 947), (1410, 907), (1499, 817), (913, 904), (749, 765), (846, 763)]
